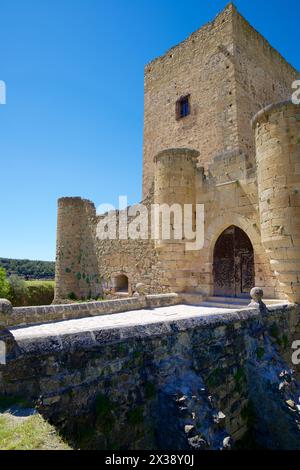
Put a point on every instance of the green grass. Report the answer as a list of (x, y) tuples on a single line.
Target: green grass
[(136, 416), (32, 433), (260, 352), (38, 283)]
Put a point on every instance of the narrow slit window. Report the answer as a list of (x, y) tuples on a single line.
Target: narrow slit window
[(183, 107)]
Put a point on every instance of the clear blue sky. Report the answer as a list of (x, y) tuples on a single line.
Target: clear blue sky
[(72, 125)]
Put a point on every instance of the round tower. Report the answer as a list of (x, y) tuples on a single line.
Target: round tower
[(277, 133), (76, 273), (174, 187), (174, 183)]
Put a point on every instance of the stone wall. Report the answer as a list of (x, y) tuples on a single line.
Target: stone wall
[(262, 77), (228, 192), (230, 72), (24, 316), (87, 265), (187, 384), (135, 258)]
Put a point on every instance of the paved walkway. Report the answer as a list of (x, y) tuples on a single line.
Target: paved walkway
[(131, 318)]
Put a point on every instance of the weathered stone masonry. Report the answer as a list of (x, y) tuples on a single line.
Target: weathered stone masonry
[(197, 383), (278, 169), (212, 156)]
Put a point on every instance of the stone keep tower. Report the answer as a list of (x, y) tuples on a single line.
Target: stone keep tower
[(277, 130), (226, 72)]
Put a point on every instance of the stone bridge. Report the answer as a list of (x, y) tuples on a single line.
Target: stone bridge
[(161, 375)]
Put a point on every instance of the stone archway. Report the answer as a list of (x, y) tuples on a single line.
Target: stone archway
[(121, 284), (233, 263)]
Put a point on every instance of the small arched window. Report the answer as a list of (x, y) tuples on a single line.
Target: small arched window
[(121, 283)]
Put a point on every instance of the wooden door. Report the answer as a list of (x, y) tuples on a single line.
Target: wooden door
[(233, 266)]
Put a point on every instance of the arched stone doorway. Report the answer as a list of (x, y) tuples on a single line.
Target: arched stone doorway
[(233, 264), (121, 283)]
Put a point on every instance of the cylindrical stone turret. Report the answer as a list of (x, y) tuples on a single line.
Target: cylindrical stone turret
[(174, 183), (277, 131), (76, 272)]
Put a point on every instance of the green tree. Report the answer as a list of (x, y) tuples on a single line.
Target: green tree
[(4, 285), (28, 269)]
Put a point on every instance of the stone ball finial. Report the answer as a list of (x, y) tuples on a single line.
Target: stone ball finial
[(140, 289), (257, 294)]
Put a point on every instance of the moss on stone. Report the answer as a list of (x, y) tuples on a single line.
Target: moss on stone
[(150, 390), (260, 352), (136, 416), (72, 296), (103, 405), (239, 377), (248, 414), (137, 354), (104, 413), (215, 378), (274, 331), (285, 341), (121, 348)]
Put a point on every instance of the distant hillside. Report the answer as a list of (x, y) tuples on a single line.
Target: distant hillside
[(29, 269)]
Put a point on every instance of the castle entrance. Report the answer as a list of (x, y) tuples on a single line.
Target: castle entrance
[(233, 265)]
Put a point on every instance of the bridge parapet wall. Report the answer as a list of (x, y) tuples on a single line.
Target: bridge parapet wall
[(131, 384)]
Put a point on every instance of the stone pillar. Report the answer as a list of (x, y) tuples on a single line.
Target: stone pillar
[(76, 274), (8, 346), (277, 132)]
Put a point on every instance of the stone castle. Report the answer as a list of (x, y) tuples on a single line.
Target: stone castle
[(219, 130)]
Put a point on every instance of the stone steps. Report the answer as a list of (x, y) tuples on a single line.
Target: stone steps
[(228, 305), (192, 298), (235, 302)]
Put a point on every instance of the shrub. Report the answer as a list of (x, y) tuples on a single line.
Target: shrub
[(4, 285), (25, 293), (18, 291), (40, 292), (72, 296)]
